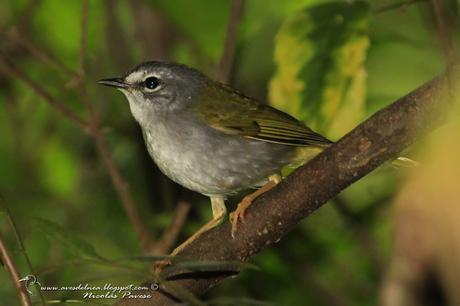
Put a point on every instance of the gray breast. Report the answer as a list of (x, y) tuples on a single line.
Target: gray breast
[(210, 162)]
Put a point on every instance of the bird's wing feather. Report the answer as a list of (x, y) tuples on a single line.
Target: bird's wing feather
[(232, 113)]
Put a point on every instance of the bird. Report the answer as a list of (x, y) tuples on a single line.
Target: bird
[(211, 138)]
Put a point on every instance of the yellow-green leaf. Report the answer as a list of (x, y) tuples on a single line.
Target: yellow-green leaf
[(320, 54)]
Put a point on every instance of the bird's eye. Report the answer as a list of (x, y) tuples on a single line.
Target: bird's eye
[(151, 83)]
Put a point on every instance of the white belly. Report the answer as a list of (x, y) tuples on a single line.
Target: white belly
[(210, 162)]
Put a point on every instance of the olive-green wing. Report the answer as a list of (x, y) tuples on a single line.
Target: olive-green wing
[(232, 113)]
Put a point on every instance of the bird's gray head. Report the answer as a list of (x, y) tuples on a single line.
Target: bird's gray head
[(157, 88)]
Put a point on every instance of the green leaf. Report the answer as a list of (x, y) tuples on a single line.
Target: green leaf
[(66, 239), (320, 54)]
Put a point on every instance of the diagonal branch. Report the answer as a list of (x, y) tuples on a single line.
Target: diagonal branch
[(90, 126), (399, 5), (166, 242), (16, 36), (20, 241), (443, 30), (374, 142), (225, 67), (169, 237), (14, 274), (93, 128), (10, 70), (121, 187)]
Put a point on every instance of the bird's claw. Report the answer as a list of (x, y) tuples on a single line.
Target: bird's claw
[(239, 214)]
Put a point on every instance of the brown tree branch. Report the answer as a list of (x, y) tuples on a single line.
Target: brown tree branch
[(443, 31), (122, 189), (83, 38), (115, 36), (92, 127), (98, 136), (165, 244), (401, 5), (224, 69), (374, 142), (25, 18), (19, 38), (155, 31), (14, 72), (14, 275), (22, 248)]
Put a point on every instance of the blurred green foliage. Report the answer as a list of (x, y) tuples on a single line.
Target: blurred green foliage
[(331, 64), (320, 56)]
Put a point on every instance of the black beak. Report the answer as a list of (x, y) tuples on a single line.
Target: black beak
[(113, 82)]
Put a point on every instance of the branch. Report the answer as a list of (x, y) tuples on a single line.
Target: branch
[(224, 69), (83, 38), (377, 140), (401, 5), (164, 244), (443, 31), (92, 127), (121, 187), (169, 237), (14, 72), (22, 248), (115, 36), (154, 30), (14, 275), (16, 36), (25, 17)]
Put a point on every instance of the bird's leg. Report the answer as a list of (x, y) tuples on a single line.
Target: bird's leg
[(219, 211), (273, 180)]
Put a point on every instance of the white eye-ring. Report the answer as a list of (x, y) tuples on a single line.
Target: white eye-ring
[(152, 83)]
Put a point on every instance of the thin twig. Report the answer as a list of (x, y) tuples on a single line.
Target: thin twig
[(22, 247), (12, 71), (397, 5), (154, 30), (115, 36), (25, 18), (92, 127), (14, 275), (121, 188), (225, 67), (119, 183), (169, 237), (15, 35), (83, 38), (442, 27)]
